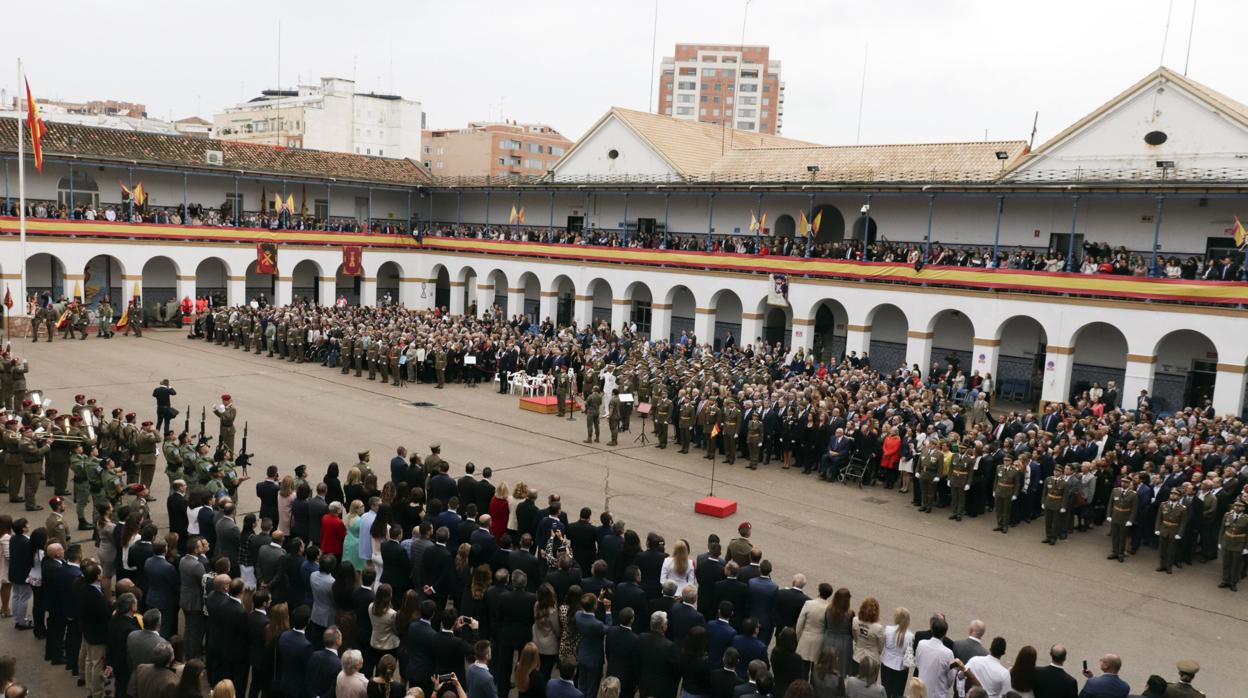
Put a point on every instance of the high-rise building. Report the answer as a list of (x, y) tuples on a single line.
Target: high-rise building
[(329, 116), (717, 82), (493, 149)]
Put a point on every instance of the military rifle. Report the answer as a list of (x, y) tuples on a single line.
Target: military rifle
[(243, 458), (203, 428), (186, 421)]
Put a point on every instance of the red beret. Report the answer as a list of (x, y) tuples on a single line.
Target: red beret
[(27, 403), (55, 502), (148, 423), (51, 411), (225, 398), (80, 396), (130, 415)]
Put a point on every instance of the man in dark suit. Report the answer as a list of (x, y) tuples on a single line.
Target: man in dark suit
[(1052, 681), (622, 654), (235, 653), (708, 571), (396, 564), (293, 654), (610, 545), (120, 625), (158, 678), (514, 628), (162, 588), (629, 594), (54, 647), (484, 491), (684, 616), (650, 562), (266, 491), (141, 647), (466, 486), (719, 634), (229, 538), (661, 660), (749, 645), (567, 574), (522, 558), (733, 590), (324, 665), (482, 545), (583, 537), (259, 658), (436, 567), (453, 645), (763, 594), (837, 456), (751, 569), (597, 580), (62, 589), (218, 631), (973, 644), (317, 508), (789, 602), (418, 662), (724, 679), (21, 561), (175, 506)]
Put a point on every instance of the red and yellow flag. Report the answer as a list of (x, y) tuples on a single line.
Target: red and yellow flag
[(139, 195), (762, 223), (803, 225), (125, 319), (520, 216), (1240, 233), (35, 123), (715, 430), (753, 222), (814, 224), (290, 204), (8, 298), (352, 260), (62, 320), (511, 220)]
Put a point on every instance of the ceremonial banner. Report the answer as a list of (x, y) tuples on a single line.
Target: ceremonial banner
[(125, 318), (778, 291), (352, 260), (37, 130), (803, 225), (266, 258)]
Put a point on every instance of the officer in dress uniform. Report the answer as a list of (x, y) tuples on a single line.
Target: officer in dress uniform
[(732, 425), (563, 390), (1056, 499), (105, 327), (662, 415), (1009, 481), (439, 366), (1232, 542), (710, 419), (960, 473), (593, 409), (82, 463), (931, 460), (687, 409), (754, 438), (173, 455), (1124, 504), (1171, 522), (626, 408), (225, 439), (145, 447), (613, 417), (1183, 688)]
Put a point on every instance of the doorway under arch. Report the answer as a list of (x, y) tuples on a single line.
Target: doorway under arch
[(889, 327), (778, 326), (1187, 368), (210, 280), (346, 287), (45, 276), (306, 282), (786, 227), (259, 285), (104, 276), (160, 280), (831, 320), (683, 310), (388, 282), (1100, 356), (831, 223)]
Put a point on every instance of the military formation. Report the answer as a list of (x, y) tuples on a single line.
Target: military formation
[(71, 319), (1070, 466)]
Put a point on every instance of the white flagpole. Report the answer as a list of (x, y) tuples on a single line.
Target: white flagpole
[(21, 183)]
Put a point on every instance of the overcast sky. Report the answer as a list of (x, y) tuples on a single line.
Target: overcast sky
[(936, 70)]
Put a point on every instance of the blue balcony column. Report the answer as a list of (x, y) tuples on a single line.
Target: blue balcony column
[(866, 227), (626, 235), (1161, 205), (71, 190), (810, 223), (1070, 244), (408, 223), (758, 230), (130, 184), (459, 205), (550, 226), (487, 208), (996, 235), (667, 208), (710, 220), (927, 240), (6, 186), (237, 203), (186, 201), (368, 227)]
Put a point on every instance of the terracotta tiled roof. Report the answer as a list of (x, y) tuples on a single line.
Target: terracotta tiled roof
[(924, 162), (693, 147), (92, 143)]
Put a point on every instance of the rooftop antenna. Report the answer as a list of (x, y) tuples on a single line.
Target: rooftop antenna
[(654, 42), (862, 92), (1166, 35), (736, 91), (279, 54), (1191, 29), (1034, 122)]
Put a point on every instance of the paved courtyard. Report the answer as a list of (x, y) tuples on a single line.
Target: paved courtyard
[(871, 541)]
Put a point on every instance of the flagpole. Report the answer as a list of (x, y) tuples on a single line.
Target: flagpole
[(21, 180)]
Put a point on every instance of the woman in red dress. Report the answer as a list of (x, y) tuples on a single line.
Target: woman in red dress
[(892, 454)]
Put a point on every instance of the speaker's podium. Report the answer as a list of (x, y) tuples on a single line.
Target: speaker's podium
[(716, 506)]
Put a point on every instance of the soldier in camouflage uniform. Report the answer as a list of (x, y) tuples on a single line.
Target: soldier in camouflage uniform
[(593, 411), (662, 415), (82, 463)]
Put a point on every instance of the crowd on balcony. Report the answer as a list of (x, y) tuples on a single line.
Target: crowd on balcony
[(1090, 257), (196, 215)]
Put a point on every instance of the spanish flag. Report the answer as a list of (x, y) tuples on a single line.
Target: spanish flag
[(63, 320), (290, 204), (37, 129), (125, 319), (520, 216), (803, 225), (139, 195), (753, 222), (277, 202), (715, 430), (511, 220), (1240, 233), (762, 223), (814, 224)]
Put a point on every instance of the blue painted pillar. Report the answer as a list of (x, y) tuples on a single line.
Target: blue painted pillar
[(866, 229), (710, 221), (626, 235), (186, 202), (667, 207), (550, 226), (996, 235), (810, 222), (1161, 203), (927, 241), (1070, 244)]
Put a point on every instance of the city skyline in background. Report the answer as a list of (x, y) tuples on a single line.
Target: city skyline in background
[(965, 70)]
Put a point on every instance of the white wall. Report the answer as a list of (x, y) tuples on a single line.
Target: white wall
[(634, 157)]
